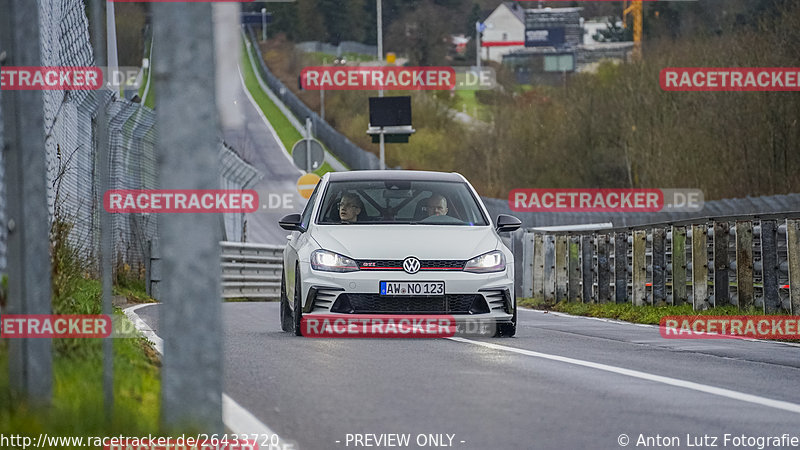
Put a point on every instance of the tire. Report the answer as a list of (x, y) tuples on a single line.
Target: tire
[(286, 313), (297, 314), (508, 329)]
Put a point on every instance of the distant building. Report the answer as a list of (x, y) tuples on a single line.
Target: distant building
[(505, 31), (555, 46)]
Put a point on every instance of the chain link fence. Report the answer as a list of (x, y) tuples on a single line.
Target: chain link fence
[(71, 148)]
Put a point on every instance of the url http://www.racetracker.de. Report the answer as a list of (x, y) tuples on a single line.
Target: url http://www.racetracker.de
[(182, 442)]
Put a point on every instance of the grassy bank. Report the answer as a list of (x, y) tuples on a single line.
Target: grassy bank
[(628, 312), (77, 406), (286, 132)]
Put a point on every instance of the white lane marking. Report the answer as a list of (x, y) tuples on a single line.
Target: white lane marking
[(647, 325), (140, 325), (234, 416), (722, 392), (600, 319), (266, 121)]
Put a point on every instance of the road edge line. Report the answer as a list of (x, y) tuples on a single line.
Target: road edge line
[(708, 389), (239, 420), (648, 325)]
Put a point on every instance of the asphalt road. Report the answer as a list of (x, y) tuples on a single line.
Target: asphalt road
[(562, 383), (260, 148)]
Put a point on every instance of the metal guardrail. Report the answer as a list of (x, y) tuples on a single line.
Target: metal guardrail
[(251, 271), (736, 260)]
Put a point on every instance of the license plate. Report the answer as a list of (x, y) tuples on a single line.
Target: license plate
[(412, 288)]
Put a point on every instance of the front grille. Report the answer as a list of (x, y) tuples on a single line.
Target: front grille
[(397, 264), (391, 304)]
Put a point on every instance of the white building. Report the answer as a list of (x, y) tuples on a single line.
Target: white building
[(505, 31)]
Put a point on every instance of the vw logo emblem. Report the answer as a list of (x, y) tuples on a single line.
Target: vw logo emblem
[(411, 265)]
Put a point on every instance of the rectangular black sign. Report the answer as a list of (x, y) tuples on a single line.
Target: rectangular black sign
[(389, 111)]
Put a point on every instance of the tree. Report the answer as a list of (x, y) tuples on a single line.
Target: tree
[(422, 35), (474, 16), (310, 21)]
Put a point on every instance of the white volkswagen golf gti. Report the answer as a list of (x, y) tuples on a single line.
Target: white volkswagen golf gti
[(398, 242)]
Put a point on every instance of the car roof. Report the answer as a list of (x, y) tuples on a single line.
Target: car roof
[(404, 175)]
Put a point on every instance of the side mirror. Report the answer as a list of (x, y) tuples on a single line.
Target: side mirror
[(507, 223), (291, 223)]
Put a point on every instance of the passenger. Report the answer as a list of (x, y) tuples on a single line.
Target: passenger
[(436, 205), (350, 206)]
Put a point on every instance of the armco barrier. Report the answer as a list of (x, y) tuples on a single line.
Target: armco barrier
[(251, 271), (736, 260)]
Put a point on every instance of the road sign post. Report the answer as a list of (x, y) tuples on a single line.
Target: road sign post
[(389, 121), (307, 153)]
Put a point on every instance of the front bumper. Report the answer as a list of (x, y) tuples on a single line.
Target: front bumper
[(468, 296)]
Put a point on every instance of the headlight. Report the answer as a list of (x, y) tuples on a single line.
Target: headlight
[(488, 262), (332, 262)]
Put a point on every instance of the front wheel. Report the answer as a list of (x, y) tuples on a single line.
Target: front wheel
[(508, 329), (298, 304), (286, 313)]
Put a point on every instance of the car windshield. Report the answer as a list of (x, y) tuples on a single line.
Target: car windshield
[(400, 202)]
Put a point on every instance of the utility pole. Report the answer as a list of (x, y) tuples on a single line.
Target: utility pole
[(103, 167), (380, 92), (187, 145), (30, 361), (111, 42), (478, 45)]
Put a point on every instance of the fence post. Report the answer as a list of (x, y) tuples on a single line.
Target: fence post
[(793, 249), (744, 264), (549, 268), (679, 296), (769, 263), (561, 267), (700, 267), (659, 266), (587, 277), (103, 158), (639, 279), (155, 268), (538, 266), (621, 267), (574, 268), (603, 270), (527, 265), (191, 387), (30, 360), (721, 264)]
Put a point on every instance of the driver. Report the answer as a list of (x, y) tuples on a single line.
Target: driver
[(436, 205), (350, 207)]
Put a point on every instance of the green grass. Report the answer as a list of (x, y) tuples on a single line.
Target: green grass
[(628, 312), (286, 132), (474, 108), (77, 406), (324, 58)]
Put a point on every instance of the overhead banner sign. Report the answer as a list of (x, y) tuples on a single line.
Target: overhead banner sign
[(545, 37)]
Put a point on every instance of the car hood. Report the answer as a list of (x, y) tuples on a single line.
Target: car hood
[(401, 241)]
